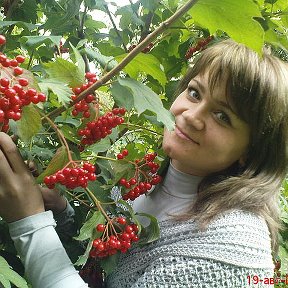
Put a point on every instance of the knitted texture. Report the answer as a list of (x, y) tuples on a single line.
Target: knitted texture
[(233, 247)]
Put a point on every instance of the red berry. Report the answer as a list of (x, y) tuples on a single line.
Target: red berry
[(20, 59), (133, 181), (100, 227), (2, 115), (2, 40), (122, 181), (120, 156), (121, 220), (4, 82), (10, 92), (23, 81), (6, 63), (41, 97), (18, 70), (90, 75)]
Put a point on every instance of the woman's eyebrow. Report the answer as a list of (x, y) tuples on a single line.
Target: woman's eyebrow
[(199, 84)]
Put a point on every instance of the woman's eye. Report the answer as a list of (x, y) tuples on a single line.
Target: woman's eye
[(223, 117), (193, 93)]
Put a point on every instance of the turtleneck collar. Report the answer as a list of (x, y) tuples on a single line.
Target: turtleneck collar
[(179, 184)]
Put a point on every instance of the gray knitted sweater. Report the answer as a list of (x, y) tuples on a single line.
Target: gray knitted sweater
[(235, 246)]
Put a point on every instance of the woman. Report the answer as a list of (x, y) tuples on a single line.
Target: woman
[(217, 206)]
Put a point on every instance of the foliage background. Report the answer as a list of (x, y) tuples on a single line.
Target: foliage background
[(63, 39)]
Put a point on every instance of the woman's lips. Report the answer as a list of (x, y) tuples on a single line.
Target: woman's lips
[(182, 135)]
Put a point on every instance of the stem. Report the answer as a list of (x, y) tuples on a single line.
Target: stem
[(106, 158), (142, 128), (129, 57), (77, 198), (61, 137), (97, 203), (30, 59)]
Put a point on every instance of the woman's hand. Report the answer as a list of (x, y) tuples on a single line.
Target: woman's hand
[(53, 200), (20, 196)]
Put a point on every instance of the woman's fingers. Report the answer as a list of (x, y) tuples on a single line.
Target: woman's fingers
[(5, 168), (20, 196), (12, 155)]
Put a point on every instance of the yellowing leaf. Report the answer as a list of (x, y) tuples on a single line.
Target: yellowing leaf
[(59, 160), (29, 124)]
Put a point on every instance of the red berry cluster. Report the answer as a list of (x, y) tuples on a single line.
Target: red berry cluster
[(145, 50), (200, 45), (145, 176), (110, 244), (72, 177), (100, 128), (14, 91), (83, 105)]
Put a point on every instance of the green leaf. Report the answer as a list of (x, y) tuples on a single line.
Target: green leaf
[(274, 33), (65, 71), (29, 26), (29, 124), (233, 17), (100, 146), (59, 160), (79, 60), (122, 96), (103, 195), (60, 89), (146, 63), (128, 17), (108, 264), (7, 274), (89, 227), (283, 254), (106, 62), (4, 281), (90, 23), (146, 99), (65, 15), (36, 41), (151, 232), (69, 133)]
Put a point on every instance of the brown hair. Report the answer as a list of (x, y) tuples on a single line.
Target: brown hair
[(257, 86)]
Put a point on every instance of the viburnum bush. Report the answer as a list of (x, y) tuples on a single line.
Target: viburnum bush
[(86, 101)]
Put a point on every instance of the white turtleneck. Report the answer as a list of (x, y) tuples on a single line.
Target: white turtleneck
[(172, 197)]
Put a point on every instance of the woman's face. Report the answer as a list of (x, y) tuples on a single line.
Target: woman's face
[(209, 136)]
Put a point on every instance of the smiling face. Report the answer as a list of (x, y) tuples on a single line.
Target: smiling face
[(209, 136)]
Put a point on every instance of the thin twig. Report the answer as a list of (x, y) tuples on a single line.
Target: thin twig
[(115, 27)]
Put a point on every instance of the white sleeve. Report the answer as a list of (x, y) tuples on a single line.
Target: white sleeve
[(46, 262)]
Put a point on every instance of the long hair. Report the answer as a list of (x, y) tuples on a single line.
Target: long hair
[(257, 86)]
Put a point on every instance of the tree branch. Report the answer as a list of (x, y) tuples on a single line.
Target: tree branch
[(129, 57)]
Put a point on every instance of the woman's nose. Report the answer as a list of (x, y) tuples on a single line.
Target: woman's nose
[(194, 118)]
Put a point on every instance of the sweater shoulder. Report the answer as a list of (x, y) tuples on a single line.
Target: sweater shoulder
[(240, 221)]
